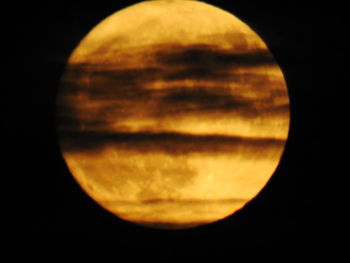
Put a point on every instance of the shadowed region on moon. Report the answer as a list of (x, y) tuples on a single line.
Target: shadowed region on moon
[(172, 120)]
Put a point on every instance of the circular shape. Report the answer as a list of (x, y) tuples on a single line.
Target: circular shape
[(172, 114)]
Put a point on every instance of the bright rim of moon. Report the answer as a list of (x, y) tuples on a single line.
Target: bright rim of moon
[(172, 114)]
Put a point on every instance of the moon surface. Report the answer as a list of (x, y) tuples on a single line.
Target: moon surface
[(172, 114)]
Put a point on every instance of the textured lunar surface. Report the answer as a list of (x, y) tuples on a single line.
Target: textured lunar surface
[(172, 114)]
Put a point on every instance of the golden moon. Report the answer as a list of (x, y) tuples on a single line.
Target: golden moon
[(172, 114)]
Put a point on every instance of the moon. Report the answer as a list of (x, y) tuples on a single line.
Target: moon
[(172, 114)]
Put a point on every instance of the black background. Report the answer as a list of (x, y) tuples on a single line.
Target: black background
[(304, 38)]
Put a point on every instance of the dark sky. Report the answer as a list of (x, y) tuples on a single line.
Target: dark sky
[(305, 39)]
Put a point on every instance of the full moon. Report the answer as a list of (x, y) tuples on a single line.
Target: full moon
[(172, 114)]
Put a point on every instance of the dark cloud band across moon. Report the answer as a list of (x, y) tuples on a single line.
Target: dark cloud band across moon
[(209, 69)]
